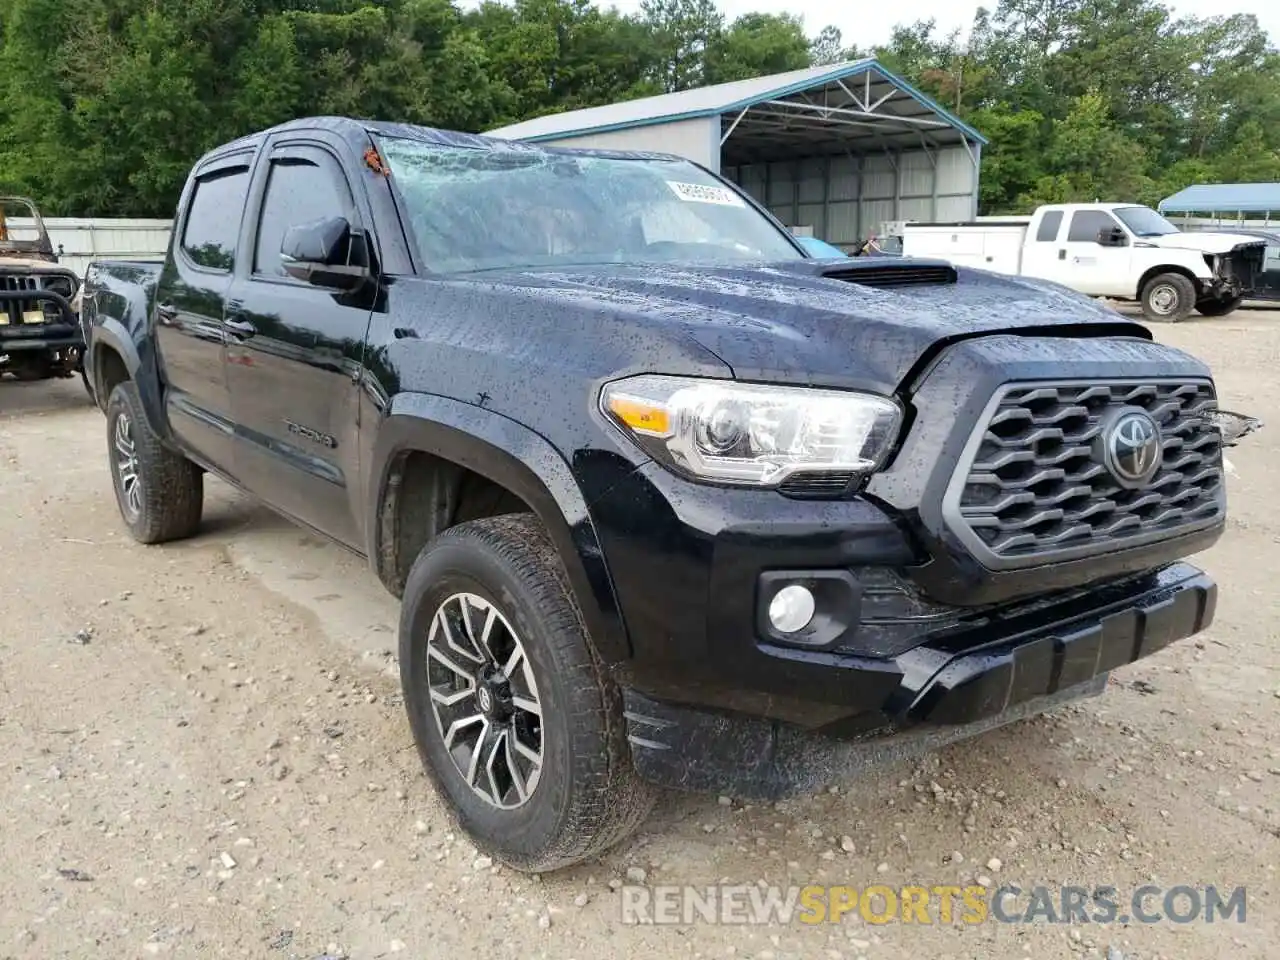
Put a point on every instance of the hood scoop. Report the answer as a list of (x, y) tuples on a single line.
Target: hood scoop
[(895, 273)]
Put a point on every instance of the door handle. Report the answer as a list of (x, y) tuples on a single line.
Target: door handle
[(243, 329), (166, 313), (1062, 254)]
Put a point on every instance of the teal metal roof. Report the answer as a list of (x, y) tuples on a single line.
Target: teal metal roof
[(902, 101), (1224, 198)]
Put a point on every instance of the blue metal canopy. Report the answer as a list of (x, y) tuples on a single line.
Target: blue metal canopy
[(1224, 198)]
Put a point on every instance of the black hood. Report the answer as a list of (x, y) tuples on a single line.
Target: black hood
[(865, 323)]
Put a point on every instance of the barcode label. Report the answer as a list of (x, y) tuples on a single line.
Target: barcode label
[(705, 193)]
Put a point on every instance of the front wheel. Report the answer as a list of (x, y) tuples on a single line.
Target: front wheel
[(519, 726), (1168, 297), (1218, 308)]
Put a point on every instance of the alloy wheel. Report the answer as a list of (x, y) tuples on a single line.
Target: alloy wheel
[(485, 700), (127, 466)]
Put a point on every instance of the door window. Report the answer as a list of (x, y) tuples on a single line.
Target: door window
[(213, 219), (1087, 224), (1048, 229), (300, 189)]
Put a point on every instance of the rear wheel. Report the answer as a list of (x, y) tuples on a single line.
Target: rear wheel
[(159, 491), (518, 723), (1168, 297), (1218, 308)]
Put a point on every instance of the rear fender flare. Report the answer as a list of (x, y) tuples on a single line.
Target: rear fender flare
[(110, 334), (512, 455)]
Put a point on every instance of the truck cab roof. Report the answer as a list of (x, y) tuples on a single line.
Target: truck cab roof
[(1081, 207), (357, 133)]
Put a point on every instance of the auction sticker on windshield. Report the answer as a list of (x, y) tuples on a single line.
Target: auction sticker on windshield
[(705, 193)]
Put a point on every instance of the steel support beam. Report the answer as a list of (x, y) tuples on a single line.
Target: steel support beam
[(865, 114), (733, 126)]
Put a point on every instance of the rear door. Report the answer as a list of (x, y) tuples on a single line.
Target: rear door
[(189, 302), (295, 351), (1042, 255)]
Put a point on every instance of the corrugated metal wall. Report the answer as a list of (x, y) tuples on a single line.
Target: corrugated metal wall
[(83, 239), (697, 139), (845, 199)]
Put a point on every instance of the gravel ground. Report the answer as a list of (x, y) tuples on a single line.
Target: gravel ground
[(205, 755)]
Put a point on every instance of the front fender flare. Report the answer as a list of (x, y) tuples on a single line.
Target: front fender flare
[(515, 457)]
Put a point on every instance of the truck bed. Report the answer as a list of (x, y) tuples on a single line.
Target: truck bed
[(118, 290), (988, 245)]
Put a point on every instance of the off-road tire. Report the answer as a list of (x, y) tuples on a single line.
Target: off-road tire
[(1218, 308), (1168, 298), (171, 487), (589, 796)]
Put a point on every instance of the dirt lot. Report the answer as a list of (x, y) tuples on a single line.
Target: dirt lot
[(204, 754)]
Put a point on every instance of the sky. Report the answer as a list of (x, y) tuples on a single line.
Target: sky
[(867, 23)]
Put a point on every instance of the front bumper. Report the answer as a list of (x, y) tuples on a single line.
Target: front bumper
[(933, 694), (691, 567), (62, 336)]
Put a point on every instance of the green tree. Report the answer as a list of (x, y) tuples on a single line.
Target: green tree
[(756, 45), (1090, 159), (682, 33), (827, 46)]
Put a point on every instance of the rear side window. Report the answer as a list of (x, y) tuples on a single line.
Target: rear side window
[(1049, 225), (302, 188), (1087, 224), (213, 219)]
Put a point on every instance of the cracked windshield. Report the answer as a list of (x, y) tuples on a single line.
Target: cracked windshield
[(482, 209)]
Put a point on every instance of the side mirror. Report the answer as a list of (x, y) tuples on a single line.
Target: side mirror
[(1112, 237), (325, 253)]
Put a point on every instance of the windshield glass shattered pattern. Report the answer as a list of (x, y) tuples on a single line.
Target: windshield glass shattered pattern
[(491, 209)]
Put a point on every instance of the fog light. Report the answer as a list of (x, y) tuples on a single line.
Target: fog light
[(791, 609)]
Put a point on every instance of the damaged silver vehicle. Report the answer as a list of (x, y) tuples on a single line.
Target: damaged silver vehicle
[(40, 334)]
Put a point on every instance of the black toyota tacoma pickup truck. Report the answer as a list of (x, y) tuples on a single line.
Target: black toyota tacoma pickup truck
[(666, 500)]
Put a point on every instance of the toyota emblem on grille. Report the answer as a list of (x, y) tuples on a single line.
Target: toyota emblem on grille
[(1132, 449)]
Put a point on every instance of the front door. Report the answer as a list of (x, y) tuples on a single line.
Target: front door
[(1086, 265), (295, 353), (190, 298)]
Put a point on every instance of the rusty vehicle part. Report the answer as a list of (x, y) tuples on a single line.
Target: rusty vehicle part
[(40, 334)]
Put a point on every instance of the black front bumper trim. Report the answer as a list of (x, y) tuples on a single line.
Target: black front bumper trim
[(941, 696), (764, 761), (983, 682)]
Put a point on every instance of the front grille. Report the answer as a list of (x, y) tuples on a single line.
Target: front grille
[(15, 310), (18, 283), (1036, 486)]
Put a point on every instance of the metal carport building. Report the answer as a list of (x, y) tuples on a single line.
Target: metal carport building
[(838, 149), (1228, 198)]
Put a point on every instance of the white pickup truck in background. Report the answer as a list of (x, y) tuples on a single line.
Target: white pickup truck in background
[(1115, 250)]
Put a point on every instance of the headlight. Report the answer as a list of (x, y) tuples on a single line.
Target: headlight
[(727, 432)]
